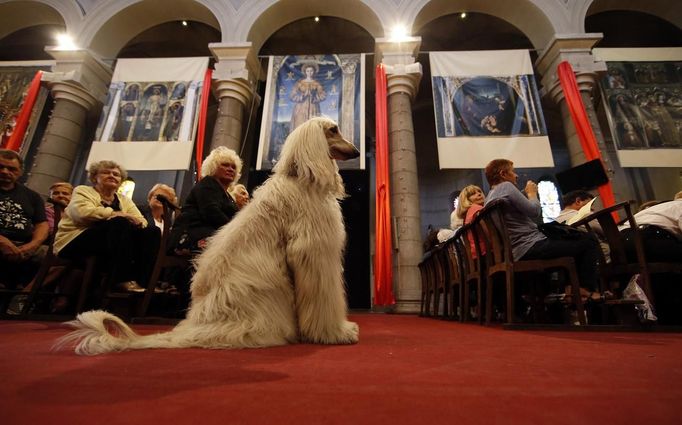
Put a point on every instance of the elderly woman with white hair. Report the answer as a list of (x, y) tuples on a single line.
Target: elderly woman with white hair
[(209, 205), (100, 221)]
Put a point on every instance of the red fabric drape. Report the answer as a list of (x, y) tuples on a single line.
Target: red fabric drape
[(383, 263), (582, 125), (14, 142), (203, 108)]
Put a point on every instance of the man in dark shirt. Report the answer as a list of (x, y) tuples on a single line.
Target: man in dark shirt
[(23, 225)]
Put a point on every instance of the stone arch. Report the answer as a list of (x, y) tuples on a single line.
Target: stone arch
[(659, 8), (116, 23), (14, 16), (525, 15), (266, 21)]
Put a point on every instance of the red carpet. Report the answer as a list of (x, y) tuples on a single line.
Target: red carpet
[(404, 370)]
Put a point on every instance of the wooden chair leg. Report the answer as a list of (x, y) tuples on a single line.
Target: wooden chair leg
[(509, 276)]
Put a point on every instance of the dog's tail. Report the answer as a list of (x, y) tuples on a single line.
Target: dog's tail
[(97, 332)]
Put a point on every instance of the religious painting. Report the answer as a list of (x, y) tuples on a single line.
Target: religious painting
[(486, 106), (14, 85), (150, 115), (644, 104), (146, 111), (303, 87)]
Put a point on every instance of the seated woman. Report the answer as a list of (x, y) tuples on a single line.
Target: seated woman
[(99, 221), (154, 213), (60, 195), (470, 203), (528, 243), (208, 206)]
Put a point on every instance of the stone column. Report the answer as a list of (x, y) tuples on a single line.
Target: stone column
[(576, 49), (77, 83), (403, 76), (234, 78)]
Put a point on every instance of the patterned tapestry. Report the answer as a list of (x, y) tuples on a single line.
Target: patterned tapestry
[(643, 101), (487, 106), (149, 117), (302, 87)]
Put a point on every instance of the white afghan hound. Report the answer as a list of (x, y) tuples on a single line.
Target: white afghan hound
[(273, 275)]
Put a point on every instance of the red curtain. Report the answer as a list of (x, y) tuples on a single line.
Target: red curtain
[(383, 263), (17, 137), (582, 125), (203, 109)]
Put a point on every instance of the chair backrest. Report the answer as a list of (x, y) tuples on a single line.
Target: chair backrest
[(611, 233), (616, 242), (470, 262), (454, 262), (491, 228)]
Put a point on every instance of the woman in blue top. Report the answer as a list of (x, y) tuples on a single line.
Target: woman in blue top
[(522, 212)]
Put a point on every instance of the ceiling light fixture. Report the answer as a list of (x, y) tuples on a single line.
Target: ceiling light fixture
[(184, 23), (317, 19), (463, 15), (65, 42), (399, 33)]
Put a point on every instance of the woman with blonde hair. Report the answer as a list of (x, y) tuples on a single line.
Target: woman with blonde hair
[(100, 221), (154, 215), (470, 202), (209, 205)]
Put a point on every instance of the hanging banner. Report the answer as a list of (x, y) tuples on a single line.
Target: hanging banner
[(301, 87), (15, 80), (150, 116), (487, 106), (642, 95)]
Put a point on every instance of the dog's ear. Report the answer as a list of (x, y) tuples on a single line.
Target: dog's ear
[(305, 155)]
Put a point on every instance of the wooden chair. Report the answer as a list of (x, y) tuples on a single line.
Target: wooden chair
[(427, 267), (619, 269), (163, 260), (471, 270), (499, 260), (52, 261), (454, 283), (440, 281)]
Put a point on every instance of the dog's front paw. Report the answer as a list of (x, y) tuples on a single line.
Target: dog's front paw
[(350, 333)]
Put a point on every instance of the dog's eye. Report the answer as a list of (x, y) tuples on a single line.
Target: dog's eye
[(334, 130)]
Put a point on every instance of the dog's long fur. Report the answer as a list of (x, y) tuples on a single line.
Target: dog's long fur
[(273, 275)]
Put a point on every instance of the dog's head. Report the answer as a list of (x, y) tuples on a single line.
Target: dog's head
[(310, 151)]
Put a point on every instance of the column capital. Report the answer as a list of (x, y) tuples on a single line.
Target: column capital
[(73, 92), (236, 60), (80, 69), (574, 48), (403, 79), (236, 88), (586, 82), (403, 52)]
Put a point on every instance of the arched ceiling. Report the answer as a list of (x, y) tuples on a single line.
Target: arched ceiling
[(668, 10), (522, 14), (29, 43), (13, 16), (624, 28), (287, 11), (127, 23)]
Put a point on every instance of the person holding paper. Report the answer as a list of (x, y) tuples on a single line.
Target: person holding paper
[(573, 202)]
